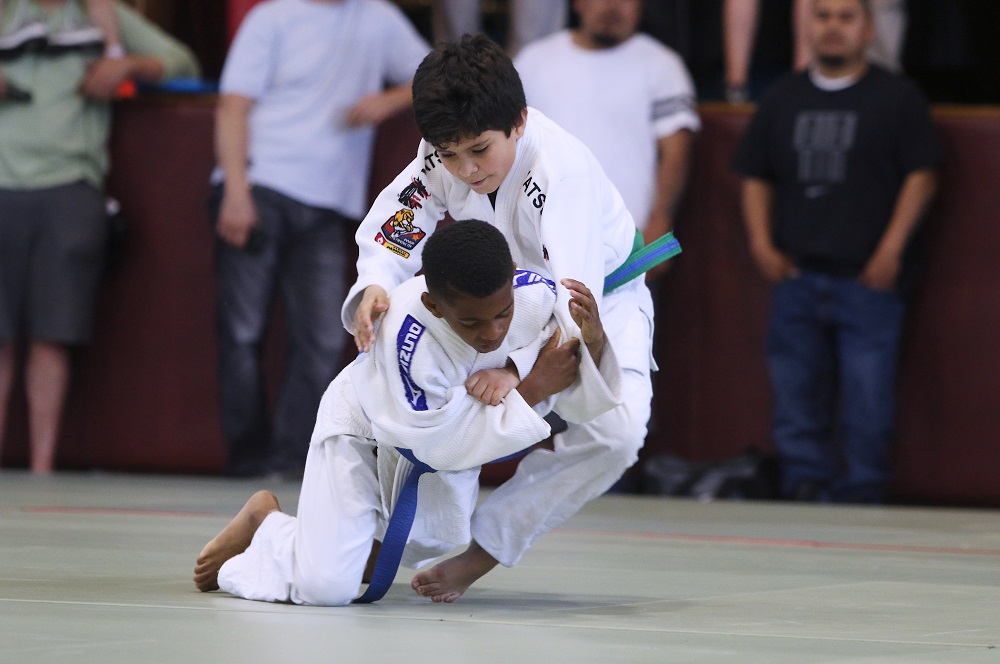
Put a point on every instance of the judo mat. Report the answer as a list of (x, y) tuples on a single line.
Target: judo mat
[(97, 568)]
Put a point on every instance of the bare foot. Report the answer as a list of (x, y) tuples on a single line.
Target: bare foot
[(232, 540), (446, 581)]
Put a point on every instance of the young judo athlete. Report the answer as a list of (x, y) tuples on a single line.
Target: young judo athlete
[(464, 367), (485, 155)]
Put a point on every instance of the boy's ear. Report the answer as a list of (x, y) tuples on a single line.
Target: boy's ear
[(519, 127), (428, 301)]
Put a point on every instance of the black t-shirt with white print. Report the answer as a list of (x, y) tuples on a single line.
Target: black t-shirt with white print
[(837, 160)]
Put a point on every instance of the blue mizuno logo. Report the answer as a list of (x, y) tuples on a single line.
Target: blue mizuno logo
[(527, 277), (406, 343)]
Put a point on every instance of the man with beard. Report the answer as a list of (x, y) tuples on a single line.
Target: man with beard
[(839, 165), (627, 97)]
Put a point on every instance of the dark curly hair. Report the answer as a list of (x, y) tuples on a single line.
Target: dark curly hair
[(467, 258), (464, 88)]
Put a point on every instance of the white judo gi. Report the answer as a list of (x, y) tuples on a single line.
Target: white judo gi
[(563, 218), (408, 392)]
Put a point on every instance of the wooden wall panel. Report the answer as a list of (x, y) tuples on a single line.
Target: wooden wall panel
[(144, 395)]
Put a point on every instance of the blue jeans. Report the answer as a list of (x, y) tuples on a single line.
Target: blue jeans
[(832, 353), (306, 252)]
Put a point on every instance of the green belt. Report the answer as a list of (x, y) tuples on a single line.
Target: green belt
[(642, 259)]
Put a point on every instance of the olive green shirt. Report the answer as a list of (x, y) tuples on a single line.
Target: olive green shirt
[(60, 137)]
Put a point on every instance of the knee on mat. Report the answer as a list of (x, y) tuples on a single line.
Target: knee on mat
[(328, 590)]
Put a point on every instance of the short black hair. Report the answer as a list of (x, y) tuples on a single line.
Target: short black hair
[(468, 257), (464, 88)]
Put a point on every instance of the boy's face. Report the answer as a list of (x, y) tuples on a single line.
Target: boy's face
[(483, 161), (481, 322)]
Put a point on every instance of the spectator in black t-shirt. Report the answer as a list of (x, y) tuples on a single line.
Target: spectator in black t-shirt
[(839, 165)]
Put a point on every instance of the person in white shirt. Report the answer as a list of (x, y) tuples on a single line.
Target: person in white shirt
[(302, 89), (628, 97)]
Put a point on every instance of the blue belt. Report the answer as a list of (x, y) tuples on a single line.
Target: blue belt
[(401, 520), (642, 259), (396, 533)]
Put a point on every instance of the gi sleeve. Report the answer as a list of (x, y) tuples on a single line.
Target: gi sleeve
[(463, 433), (573, 237), (390, 238), (596, 391), (524, 357), (673, 98), (414, 395)]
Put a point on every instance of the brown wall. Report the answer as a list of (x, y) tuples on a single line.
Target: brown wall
[(144, 394)]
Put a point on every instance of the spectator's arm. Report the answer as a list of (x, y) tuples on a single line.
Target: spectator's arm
[(150, 56), (739, 31), (757, 199), (102, 13), (237, 214), (380, 106), (672, 166), (105, 75), (142, 38), (673, 163)]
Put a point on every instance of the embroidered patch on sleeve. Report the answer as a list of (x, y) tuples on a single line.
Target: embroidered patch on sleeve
[(413, 193), (380, 239), (399, 235)]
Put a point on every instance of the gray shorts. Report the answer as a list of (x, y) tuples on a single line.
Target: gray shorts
[(52, 246)]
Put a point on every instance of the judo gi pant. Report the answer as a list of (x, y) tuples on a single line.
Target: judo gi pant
[(319, 556), (551, 486)]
